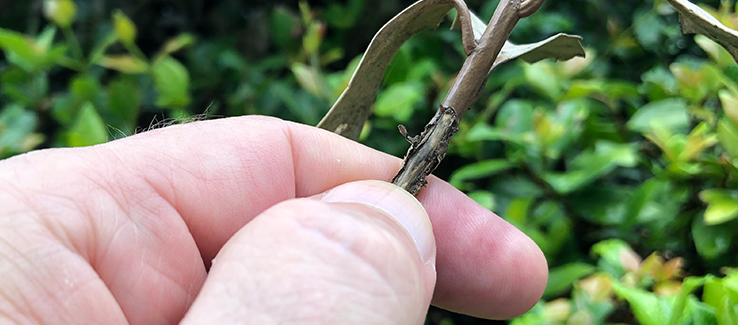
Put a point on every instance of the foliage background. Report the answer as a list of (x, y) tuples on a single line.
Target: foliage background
[(630, 153)]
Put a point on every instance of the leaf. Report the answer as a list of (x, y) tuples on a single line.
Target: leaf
[(729, 102), (670, 113), (716, 52), (16, 131), (124, 28), (479, 170), (398, 101), (124, 97), (353, 107), (695, 20), (123, 63), (89, 128), (560, 279), (172, 82), (727, 134), (590, 165), (680, 304), (484, 198), (647, 308), (310, 79), (611, 252), (22, 50), (722, 206), (559, 47), (710, 241)]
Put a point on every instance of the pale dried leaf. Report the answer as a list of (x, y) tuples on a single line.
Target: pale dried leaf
[(348, 114), (695, 20), (559, 47)]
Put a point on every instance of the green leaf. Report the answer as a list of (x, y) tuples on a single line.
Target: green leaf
[(172, 82), (282, 26), (313, 37), (399, 101), (611, 252), (591, 165), (716, 52), (517, 212), (727, 134), (543, 78), (484, 198), (61, 12), (710, 241), (670, 113), (678, 310), (717, 294), (85, 87), (310, 79), (479, 170), (16, 131), (22, 50), (561, 279), (124, 98), (722, 206), (647, 308), (88, 129), (125, 29), (729, 102)]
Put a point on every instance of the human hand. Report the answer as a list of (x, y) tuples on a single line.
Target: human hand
[(125, 232)]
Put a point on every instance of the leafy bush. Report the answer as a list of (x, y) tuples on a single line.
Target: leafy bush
[(629, 153)]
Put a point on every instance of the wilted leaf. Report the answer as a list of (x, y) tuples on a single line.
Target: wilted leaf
[(177, 43), (351, 110), (559, 47), (124, 63), (695, 20)]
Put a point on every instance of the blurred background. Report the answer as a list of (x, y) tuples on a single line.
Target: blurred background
[(621, 166)]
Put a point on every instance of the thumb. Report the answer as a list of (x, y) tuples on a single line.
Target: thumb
[(361, 253)]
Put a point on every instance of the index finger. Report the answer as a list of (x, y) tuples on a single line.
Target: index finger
[(236, 168)]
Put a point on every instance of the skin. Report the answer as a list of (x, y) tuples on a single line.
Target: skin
[(125, 232)]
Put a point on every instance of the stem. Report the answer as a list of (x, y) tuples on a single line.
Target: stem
[(74, 43), (428, 149)]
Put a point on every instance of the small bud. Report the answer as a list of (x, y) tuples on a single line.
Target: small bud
[(60, 12), (125, 29)]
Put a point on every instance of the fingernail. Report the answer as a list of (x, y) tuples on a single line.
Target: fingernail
[(393, 200)]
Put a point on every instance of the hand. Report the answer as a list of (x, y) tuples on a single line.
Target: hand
[(125, 233)]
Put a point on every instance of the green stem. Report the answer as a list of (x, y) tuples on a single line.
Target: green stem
[(72, 64)]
